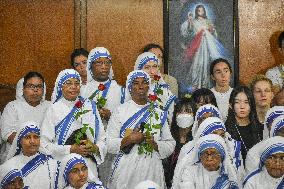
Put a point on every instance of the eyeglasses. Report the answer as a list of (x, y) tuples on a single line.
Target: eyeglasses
[(100, 63), (34, 87), (84, 169), (70, 83), (213, 155)]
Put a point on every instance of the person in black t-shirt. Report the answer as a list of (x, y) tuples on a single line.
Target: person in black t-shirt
[(242, 122)]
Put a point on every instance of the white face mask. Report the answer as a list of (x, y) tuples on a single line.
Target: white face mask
[(185, 120)]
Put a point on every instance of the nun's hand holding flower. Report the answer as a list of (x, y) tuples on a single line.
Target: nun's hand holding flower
[(101, 101)]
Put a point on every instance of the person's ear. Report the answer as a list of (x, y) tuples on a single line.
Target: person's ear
[(212, 77)]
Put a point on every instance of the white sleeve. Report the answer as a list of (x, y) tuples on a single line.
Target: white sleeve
[(113, 134), (9, 121), (250, 185), (184, 29), (273, 75), (48, 140), (167, 143)]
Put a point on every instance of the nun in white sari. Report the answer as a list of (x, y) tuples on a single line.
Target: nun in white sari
[(214, 173), (60, 128), (276, 129), (24, 108), (131, 167), (74, 172), (270, 172), (11, 177), (33, 161), (211, 125), (149, 63)]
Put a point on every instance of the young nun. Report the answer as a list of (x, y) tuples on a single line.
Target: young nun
[(211, 167), (11, 177), (133, 166), (31, 160), (149, 63), (270, 170), (276, 129), (30, 104), (270, 116), (60, 126), (74, 172), (211, 125)]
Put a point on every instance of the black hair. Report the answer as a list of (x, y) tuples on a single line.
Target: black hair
[(206, 94), (231, 121), (150, 46), (280, 39), (78, 52), (196, 11), (32, 74), (183, 102), (216, 61)]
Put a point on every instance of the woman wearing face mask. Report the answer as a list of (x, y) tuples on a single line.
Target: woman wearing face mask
[(183, 118)]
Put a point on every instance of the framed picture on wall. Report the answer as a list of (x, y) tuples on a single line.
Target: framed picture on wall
[(196, 33)]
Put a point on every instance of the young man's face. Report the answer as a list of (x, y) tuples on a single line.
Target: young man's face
[(80, 64), (221, 74), (263, 94)]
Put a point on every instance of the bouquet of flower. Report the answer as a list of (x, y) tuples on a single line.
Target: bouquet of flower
[(146, 147), (101, 101)]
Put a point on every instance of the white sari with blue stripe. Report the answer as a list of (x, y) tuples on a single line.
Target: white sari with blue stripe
[(130, 169), (59, 124)]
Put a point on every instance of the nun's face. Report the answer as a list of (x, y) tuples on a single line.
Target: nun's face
[(101, 69), (280, 132), (30, 144), (210, 159), (17, 183), (139, 88), (78, 175), (219, 132), (33, 90), (151, 68), (275, 165), (71, 89)]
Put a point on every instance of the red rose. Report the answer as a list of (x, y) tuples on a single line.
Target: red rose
[(79, 104), (157, 77), (152, 97), (101, 87)]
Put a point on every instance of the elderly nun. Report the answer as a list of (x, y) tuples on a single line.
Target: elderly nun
[(149, 63), (276, 129), (74, 172), (211, 125), (139, 136), (211, 167), (73, 125), (33, 161), (270, 170)]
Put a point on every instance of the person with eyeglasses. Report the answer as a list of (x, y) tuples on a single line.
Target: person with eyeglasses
[(79, 59), (72, 124), (210, 166), (269, 172), (30, 105), (100, 73)]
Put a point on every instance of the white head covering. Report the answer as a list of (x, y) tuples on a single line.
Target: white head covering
[(208, 126), (136, 74), (63, 76), (270, 116), (96, 53), (67, 163), (26, 128), (148, 184), (267, 148), (144, 58), (20, 87), (8, 172), (217, 142), (207, 108), (277, 124)]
